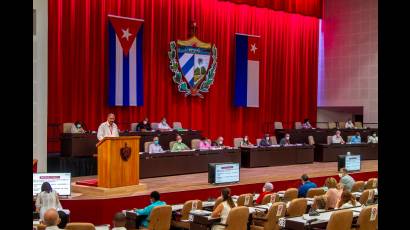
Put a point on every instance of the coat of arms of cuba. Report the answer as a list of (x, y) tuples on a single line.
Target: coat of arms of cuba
[(193, 64)]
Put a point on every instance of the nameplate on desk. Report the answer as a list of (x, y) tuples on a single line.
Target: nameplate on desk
[(200, 212)]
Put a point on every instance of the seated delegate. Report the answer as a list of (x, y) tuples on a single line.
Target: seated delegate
[(144, 125), (373, 138), (285, 140), (349, 124), (155, 147), (204, 144), (77, 127), (356, 139), (179, 145), (306, 124), (266, 141), (245, 142), (219, 142), (163, 125), (337, 139)]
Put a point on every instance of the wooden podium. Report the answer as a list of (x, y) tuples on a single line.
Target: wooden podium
[(118, 161)]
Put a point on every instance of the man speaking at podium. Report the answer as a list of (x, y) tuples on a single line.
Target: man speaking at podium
[(108, 128)]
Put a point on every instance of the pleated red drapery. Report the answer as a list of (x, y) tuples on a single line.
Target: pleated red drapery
[(304, 7), (78, 64)]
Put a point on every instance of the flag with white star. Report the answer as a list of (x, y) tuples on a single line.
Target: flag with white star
[(247, 58), (125, 87)]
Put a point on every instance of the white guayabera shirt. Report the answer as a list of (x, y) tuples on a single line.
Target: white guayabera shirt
[(105, 130)]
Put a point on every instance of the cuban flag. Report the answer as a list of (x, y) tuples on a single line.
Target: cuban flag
[(247, 59), (125, 87)]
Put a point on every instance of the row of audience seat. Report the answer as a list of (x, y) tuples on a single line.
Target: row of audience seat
[(329, 125), (277, 124), (160, 217), (175, 125), (237, 141)]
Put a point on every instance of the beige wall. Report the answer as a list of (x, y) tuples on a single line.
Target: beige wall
[(324, 115), (350, 69)]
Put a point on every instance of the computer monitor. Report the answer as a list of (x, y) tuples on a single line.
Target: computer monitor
[(60, 182), (352, 163), (223, 173)]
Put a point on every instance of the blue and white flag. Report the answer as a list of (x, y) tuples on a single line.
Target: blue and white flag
[(125, 87), (247, 58)]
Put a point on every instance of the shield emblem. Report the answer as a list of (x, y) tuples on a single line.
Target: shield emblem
[(196, 62), (125, 152)]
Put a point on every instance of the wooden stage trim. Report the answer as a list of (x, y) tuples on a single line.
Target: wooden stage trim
[(247, 176), (104, 192)]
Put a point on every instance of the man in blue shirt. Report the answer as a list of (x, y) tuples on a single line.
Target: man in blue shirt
[(356, 139), (306, 185), (154, 197)]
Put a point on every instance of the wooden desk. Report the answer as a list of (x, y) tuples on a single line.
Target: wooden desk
[(325, 152), (297, 223), (81, 145), (320, 135), (175, 163), (203, 222), (274, 156), (133, 221)]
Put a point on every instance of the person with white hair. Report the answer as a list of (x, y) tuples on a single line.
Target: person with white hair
[(267, 189), (51, 219)]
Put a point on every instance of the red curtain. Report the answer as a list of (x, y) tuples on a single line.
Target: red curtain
[(77, 77), (304, 7)]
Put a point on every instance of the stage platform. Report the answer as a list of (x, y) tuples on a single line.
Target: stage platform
[(199, 181)]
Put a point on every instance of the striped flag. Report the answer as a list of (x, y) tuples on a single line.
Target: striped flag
[(247, 70), (125, 87)]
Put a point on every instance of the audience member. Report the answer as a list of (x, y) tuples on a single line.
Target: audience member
[(346, 180), (119, 221), (319, 203), (222, 210), (51, 219), (46, 199), (333, 196), (267, 189), (155, 201), (306, 185), (347, 200)]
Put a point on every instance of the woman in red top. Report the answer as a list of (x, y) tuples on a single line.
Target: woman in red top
[(267, 189)]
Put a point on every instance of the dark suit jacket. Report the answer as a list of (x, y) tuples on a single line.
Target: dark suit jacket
[(142, 126), (283, 141), (264, 142)]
